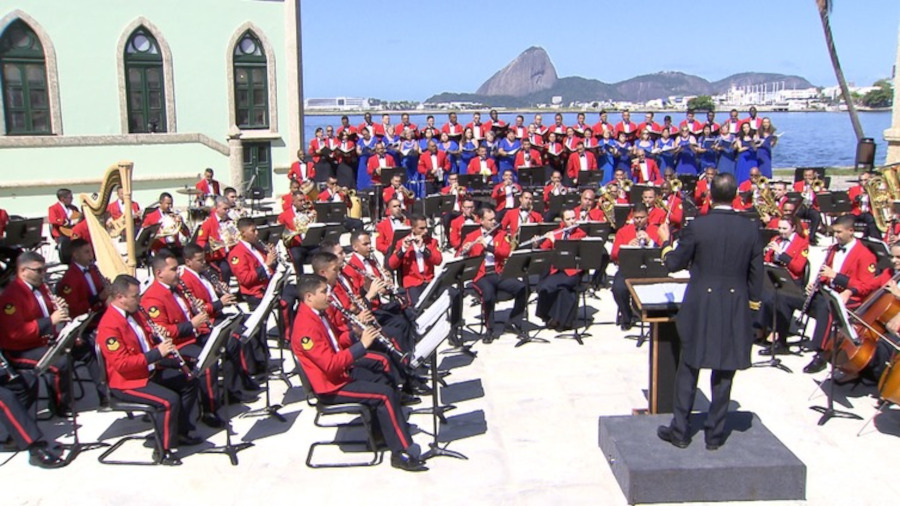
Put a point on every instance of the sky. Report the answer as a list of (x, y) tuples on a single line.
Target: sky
[(410, 50)]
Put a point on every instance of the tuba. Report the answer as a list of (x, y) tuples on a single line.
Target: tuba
[(881, 198)]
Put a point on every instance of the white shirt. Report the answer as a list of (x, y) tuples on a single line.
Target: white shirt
[(837, 261), (66, 210), (366, 265), (40, 300), (206, 284), (87, 277), (488, 256), (181, 303), (138, 331), (331, 336), (582, 158), (420, 257), (259, 258), (510, 198), (786, 243)]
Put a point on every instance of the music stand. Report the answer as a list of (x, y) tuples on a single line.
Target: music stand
[(637, 190), (778, 279), (833, 203), (840, 329), (569, 200), (881, 251), (25, 234), (795, 198), (589, 178), (388, 173), (213, 352), (641, 262), (144, 240), (528, 231), (476, 182), (766, 235), (457, 272), (467, 229), (597, 229), (585, 254), (532, 177), (260, 221), (316, 233), (331, 212), (524, 264), (63, 345), (688, 182), (270, 233), (621, 213)]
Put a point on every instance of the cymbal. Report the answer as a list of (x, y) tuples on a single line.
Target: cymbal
[(188, 191)]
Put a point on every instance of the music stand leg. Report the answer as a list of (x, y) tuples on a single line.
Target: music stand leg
[(458, 345), (526, 336), (229, 449), (828, 412), (76, 446), (269, 409), (435, 449), (282, 374), (773, 360)]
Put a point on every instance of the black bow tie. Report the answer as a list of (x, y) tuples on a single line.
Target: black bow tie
[(86, 270), (842, 249)]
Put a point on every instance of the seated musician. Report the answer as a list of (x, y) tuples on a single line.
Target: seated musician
[(385, 229), (17, 417), (849, 269), (377, 162), (301, 170), (396, 191), (62, 216), (334, 379), (505, 194), (482, 164), (217, 235), (207, 185), (117, 209), (253, 265), (809, 209), (701, 191), (579, 161), (494, 244), (553, 187), (433, 166), (82, 231), (334, 193), (287, 200), (557, 303), (299, 215), (172, 233), (645, 170), (468, 217), (674, 205), (29, 320), (236, 212), (748, 191), (142, 370), (523, 214), (452, 188), (619, 180), (638, 234), (861, 207), (789, 249), (787, 211), (656, 215), (587, 210)]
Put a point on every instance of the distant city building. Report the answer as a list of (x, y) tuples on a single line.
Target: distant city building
[(337, 104)]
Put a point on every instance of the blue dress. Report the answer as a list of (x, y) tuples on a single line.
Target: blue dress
[(508, 162), (410, 162), (685, 160), (391, 147), (454, 159), (606, 161), (764, 156), (363, 180), (708, 158), (666, 156), (623, 158), (467, 153), (727, 155), (746, 160)]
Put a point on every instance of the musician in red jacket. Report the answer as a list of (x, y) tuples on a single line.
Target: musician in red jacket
[(377, 162), (481, 164), (789, 249), (333, 378), (301, 170), (674, 203), (525, 213), (207, 185), (639, 234), (580, 161), (809, 210), (467, 217), (494, 244), (433, 165), (62, 215), (452, 188), (385, 228), (587, 209), (144, 371), (210, 237), (117, 208), (645, 169), (171, 223), (396, 191), (861, 207), (528, 156), (28, 322), (557, 302), (506, 194), (300, 212), (693, 125)]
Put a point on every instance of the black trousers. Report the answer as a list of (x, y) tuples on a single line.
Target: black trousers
[(871, 229), (16, 398), (489, 287), (622, 297), (299, 254), (557, 299), (225, 268), (171, 390), (446, 219), (685, 390), (783, 311), (374, 390), (208, 383), (415, 292), (818, 309), (815, 219), (58, 373)]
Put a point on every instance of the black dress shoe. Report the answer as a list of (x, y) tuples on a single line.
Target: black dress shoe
[(817, 364), (665, 433), (406, 462), (409, 400), (238, 397), (250, 384), (166, 459), (41, 456), (419, 389), (187, 440), (779, 349), (212, 420), (713, 446), (626, 326)]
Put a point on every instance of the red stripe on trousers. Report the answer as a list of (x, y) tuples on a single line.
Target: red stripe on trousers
[(166, 435), (16, 423), (52, 369), (390, 409)]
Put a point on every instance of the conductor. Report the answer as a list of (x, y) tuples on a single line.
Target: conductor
[(715, 322)]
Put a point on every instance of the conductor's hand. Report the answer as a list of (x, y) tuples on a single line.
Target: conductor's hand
[(59, 316), (368, 336), (228, 299), (663, 232), (199, 319), (166, 347)]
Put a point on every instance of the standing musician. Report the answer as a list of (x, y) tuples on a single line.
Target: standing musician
[(528, 156), (172, 233), (433, 166), (385, 228), (638, 234), (62, 216), (207, 186), (580, 161), (253, 266), (557, 303), (674, 205), (861, 207), (117, 209), (287, 200), (140, 370), (29, 320), (467, 217), (333, 378), (482, 165), (645, 170), (301, 170), (523, 214), (506, 193), (724, 254), (377, 162), (217, 235), (849, 269), (702, 190), (494, 244), (396, 191), (296, 220), (809, 210), (553, 187), (452, 188)]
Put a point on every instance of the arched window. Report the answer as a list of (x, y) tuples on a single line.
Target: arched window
[(251, 88), (144, 83), (26, 105)]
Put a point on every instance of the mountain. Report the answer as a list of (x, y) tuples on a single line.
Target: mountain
[(531, 79)]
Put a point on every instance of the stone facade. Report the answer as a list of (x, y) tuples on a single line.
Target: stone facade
[(892, 135)]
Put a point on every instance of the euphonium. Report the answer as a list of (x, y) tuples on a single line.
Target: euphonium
[(607, 203), (881, 200), (766, 202), (626, 185), (675, 186), (301, 226)]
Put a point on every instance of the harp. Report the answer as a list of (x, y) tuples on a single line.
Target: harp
[(108, 258)]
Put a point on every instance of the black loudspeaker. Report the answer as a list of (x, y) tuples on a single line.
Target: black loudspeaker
[(865, 153), (257, 193)]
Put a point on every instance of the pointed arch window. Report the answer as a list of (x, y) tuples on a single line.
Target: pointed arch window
[(251, 87), (144, 83), (23, 72)]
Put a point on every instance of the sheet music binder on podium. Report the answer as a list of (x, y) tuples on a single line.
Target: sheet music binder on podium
[(658, 300)]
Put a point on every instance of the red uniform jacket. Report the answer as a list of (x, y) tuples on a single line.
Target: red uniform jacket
[(694, 126), (315, 146), (390, 192), (573, 166), (302, 171), (373, 164), (652, 171), (573, 235), (287, 219), (252, 275), (653, 126), (601, 126), (23, 325), (593, 214), (626, 234), (459, 196), (794, 257), (452, 129), (410, 274), (74, 288), (629, 128), (478, 130), (499, 194), (799, 186), (211, 303), (56, 216), (127, 365), (326, 196), (153, 218), (426, 166), (755, 123), (358, 280), (116, 209), (475, 166), (351, 130), (501, 249), (512, 218), (859, 200), (210, 230), (558, 129), (287, 200), (494, 125), (456, 229), (4, 220), (324, 362), (385, 237), (534, 158), (401, 127), (208, 188), (676, 215), (162, 306), (857, 273), (81, 231)]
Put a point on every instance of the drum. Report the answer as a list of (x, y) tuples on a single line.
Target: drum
[(889, 383)]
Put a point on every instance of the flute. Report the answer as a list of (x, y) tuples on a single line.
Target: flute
[(159, 334)]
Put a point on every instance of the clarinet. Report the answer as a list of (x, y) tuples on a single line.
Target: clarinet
[(219, 286), (196, 304), (159, 333), (811, 294), (6, 366), (381, 338)]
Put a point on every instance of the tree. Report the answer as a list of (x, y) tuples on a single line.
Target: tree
[(882, 97), (702, 103), (824, 7)]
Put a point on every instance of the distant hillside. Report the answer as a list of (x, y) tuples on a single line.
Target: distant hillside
[(531, 79)]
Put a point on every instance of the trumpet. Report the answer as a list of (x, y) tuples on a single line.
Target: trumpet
[(409, 194), (159, 335), (381, 338)]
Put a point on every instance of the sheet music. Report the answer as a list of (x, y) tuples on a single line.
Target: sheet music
[(429, 343), (660, 293), (261, 313), (835, 298), (434, 282), (431, 315), (214, 337)]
